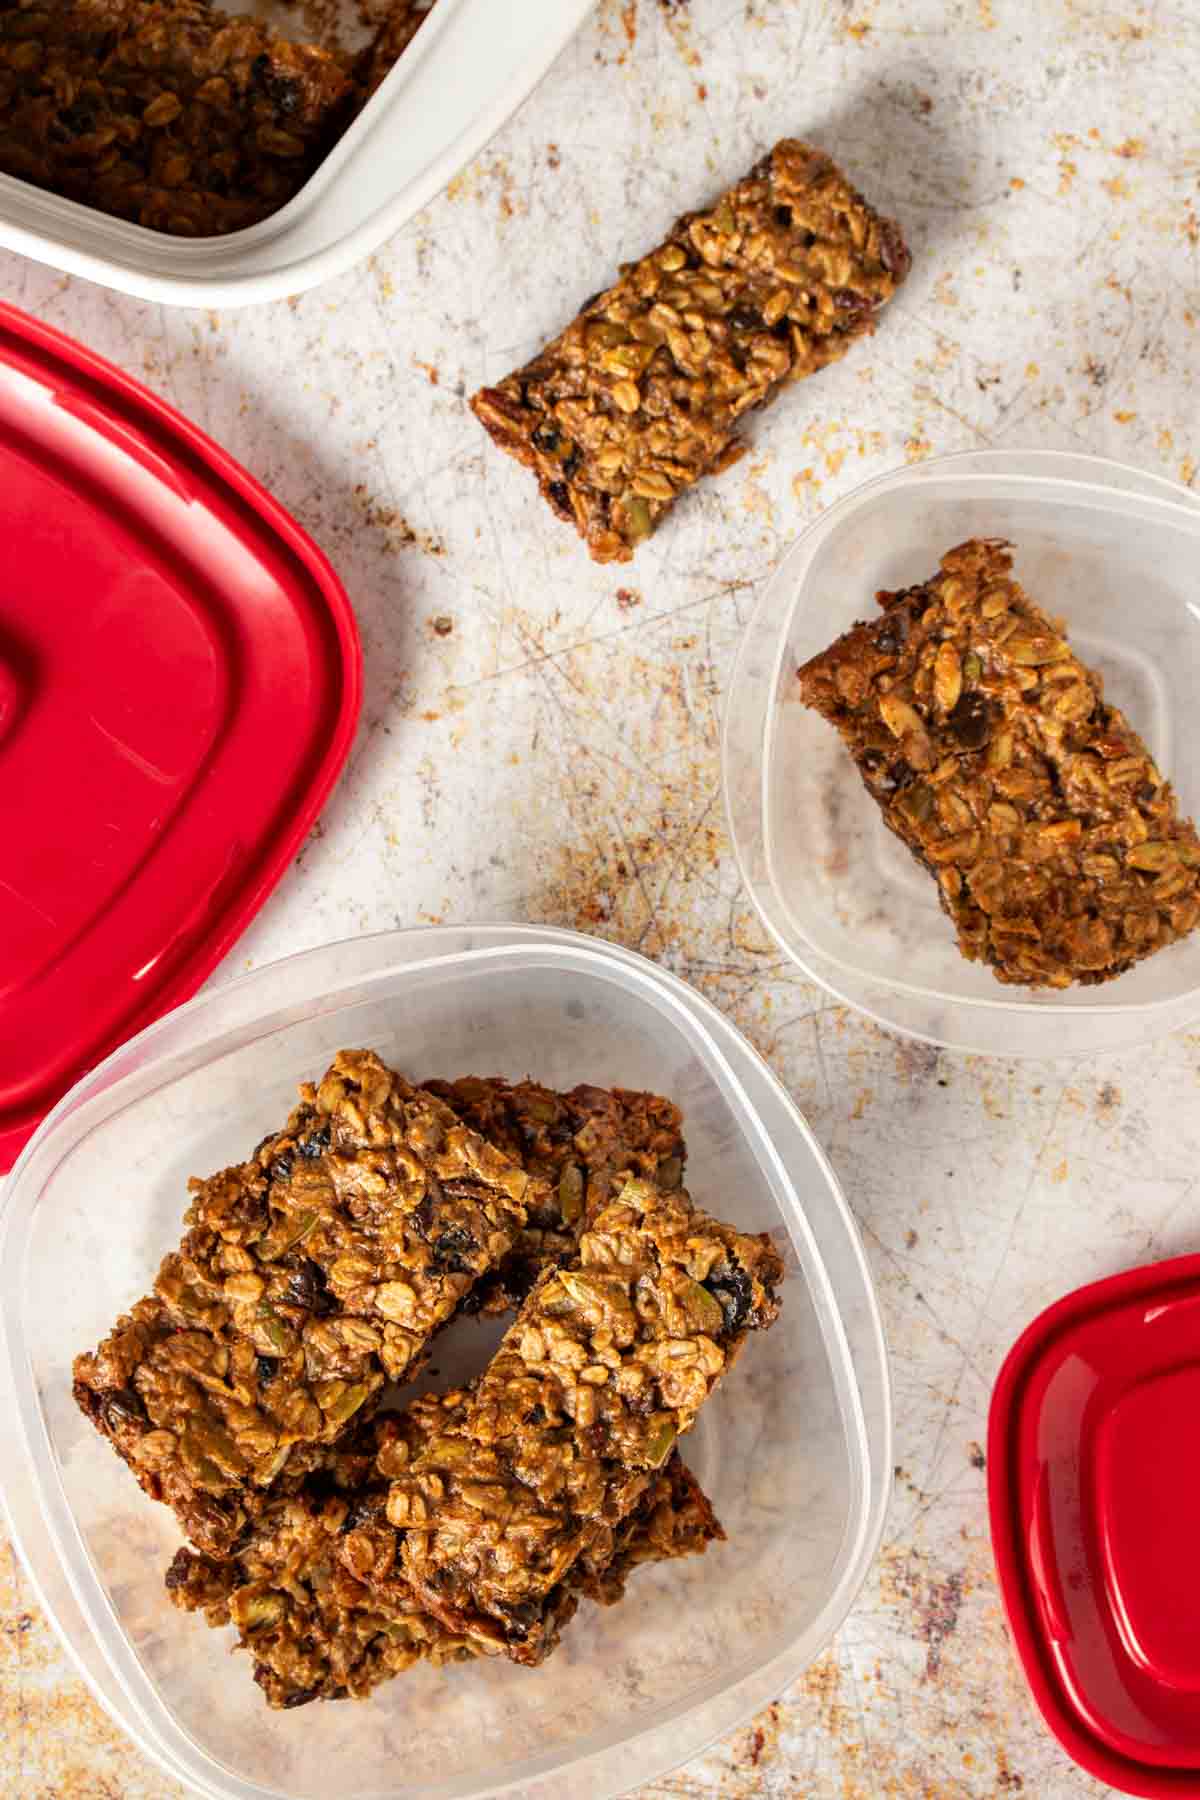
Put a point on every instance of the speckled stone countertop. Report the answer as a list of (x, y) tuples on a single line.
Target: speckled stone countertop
[(539, 738)]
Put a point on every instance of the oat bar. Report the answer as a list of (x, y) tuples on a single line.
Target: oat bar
[(575, 1145), (169, 113), (642, 394), (314, 1631), (309, 1276), (607, 1364), (1056, 843)]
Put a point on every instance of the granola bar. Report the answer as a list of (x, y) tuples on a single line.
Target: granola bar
[(576, 1146), (641, 395), (314, 1631), (607, 1364), (309, 1276), (1055, 841), (169, 113)]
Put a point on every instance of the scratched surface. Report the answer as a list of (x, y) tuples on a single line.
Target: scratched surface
[(540, 738)]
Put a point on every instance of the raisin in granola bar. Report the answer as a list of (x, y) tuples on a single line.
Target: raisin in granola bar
[(607, 1364), (169, 113), (576, 1146), (642, 393), (309, 1276), (315, 1631), (1056, 843)]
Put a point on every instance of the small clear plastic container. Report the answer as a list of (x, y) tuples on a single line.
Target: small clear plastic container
[(1116, 553), (794, 1449)]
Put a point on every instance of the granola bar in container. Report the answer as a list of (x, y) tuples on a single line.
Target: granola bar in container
[(577, 1146), (606, 1366), (642, 394), (1055, 841), (169, 113), (309, 1277), (314, 1630)]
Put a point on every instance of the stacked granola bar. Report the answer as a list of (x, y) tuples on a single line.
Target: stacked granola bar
[(308, 1278), (315, 1630), (345, 1540), (576, 1146), (606, 1366)]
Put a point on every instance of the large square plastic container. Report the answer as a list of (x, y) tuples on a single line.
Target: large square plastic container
[(468, 69), (1116, 554), (794, 1448)]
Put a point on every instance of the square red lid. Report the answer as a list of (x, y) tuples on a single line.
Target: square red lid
[(179, 687), (1094, 1490)]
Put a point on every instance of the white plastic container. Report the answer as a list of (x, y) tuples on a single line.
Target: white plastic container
[(794, 1449), (467, 70), (1113, 551)]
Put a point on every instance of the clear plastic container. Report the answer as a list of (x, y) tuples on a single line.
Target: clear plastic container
[(1116, 553), (467, 70), (794, 1449)]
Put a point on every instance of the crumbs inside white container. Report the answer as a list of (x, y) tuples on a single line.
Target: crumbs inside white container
[(793, 1449), (471, 64), (1115, 554)]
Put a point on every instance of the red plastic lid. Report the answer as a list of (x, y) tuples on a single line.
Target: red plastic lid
[(1094, 1489), (179, 685)]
